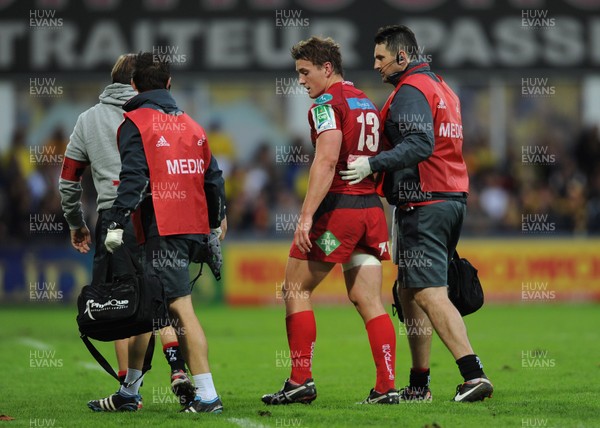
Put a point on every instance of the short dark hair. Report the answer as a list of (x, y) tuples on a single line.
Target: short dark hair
[(319, 50), (121, 72), (397, 38), (150, 72)]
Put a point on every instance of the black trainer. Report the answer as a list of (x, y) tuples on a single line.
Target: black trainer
[(415, 393), (199, 406), (290, 393), (390, 397), (474, 390), (182, 387), (116, 403)]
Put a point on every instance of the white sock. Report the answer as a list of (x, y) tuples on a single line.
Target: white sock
[(205, 388), (132, 374)]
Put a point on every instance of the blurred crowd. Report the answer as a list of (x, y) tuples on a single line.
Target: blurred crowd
[(265, 191), (561, 188)]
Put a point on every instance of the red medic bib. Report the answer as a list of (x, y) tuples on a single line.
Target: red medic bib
[(445, 170), (177, 153)]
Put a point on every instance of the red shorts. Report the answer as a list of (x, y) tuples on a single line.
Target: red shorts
[(344, 224)]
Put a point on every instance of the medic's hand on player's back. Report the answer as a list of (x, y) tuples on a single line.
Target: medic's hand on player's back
[(357, 170)]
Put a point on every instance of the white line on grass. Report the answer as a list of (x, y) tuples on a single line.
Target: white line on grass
[(246, 423), (34, 343), (91, 366)]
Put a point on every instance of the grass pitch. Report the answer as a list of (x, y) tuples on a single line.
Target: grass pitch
[(543, 360)]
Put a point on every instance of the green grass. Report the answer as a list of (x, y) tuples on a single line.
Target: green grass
[(244, 344)]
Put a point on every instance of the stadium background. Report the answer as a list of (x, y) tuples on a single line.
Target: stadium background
[(526, 73)]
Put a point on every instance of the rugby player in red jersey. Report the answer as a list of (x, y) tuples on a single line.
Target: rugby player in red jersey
[(339, 223)]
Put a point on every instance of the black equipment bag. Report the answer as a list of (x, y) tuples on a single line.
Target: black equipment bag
[(131, 304), (464, 288)]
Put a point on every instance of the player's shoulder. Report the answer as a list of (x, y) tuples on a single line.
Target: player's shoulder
[(357, 99), (340, 96)]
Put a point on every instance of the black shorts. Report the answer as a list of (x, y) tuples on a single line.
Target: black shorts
[(168, 258), (427, 238)]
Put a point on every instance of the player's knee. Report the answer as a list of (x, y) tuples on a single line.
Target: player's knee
[(423, 299), (355, 299), (430, 297)]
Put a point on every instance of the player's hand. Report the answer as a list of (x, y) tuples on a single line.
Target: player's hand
[(223, 228), (301, 235), (114, 239), (357, 170), (81, 239)]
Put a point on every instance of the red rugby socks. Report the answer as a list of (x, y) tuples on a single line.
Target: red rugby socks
[(302, 334), (382, 338)]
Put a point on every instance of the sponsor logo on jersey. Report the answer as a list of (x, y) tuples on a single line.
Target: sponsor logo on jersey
[(324, 118), (360, 103), (441, 104), (162, 142), (324, 98)]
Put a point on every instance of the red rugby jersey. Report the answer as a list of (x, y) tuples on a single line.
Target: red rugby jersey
[(346, 108)]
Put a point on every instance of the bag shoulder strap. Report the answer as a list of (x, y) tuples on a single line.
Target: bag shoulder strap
[(107, 367)]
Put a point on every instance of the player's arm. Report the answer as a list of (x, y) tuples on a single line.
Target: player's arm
[(413, 139), (322, 171), (69, 186)]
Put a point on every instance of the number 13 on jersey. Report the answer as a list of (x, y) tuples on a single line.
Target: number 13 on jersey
[(369, 131)]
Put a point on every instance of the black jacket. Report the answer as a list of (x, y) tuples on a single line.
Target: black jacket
[(135, 175)]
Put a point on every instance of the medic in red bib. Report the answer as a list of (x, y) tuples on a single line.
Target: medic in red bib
[(176, 190), (423, 174)]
